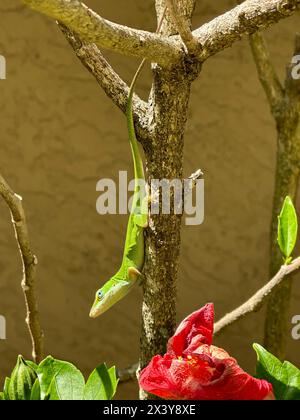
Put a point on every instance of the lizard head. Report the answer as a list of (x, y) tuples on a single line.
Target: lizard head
[(108, 295)]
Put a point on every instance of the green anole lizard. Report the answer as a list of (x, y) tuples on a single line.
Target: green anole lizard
[(134, 251)]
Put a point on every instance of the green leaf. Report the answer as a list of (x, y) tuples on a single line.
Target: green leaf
[(36, 391), (33, 365), (6, 387), (2, 396), (60, 380), (53, 391), (46, 372), (114, 380), (284, 377), (102, 384), (287, 228)]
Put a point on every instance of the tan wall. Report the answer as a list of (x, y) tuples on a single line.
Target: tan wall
[(60, 134)]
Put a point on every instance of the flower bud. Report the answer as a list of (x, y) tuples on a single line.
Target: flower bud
[(22, 381)]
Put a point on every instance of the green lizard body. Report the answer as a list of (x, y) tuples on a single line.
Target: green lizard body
[(134, 251), (133, 258)]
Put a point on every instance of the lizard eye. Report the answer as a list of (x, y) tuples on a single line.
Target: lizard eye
[(100, 295)]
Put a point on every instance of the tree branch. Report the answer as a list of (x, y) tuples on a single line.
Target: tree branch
[(286, 183), (29, 261), (128, 374), (92, 28), (220, 33), (258, 299), (112, 84), (250, 306), (245, 19), (182, 27), (266, 72)]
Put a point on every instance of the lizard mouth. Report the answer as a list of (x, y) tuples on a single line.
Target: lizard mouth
[(99, 309), (94, 313)]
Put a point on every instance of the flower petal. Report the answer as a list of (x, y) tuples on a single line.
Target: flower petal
[(156, 378), (235, 384), (198, 327), (193, 369), (209, 375)]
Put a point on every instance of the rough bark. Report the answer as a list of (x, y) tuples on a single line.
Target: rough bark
[(164, 159), (183, 27), (212, 37), (286, 183), (92, 28), (245, 19)]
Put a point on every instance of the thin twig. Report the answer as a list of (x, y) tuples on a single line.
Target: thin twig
[(250, 306), (195, 176), (266, 72), (188, 188), (182, 27), (128, 374), (258, 299), (29, 261)]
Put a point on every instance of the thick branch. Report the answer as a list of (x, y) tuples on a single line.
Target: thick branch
[(266, 72), (112, 84), (258, 299), (29, 261), (167, 118), (182, 27), (245, 19), (220, 33), (92, 28)]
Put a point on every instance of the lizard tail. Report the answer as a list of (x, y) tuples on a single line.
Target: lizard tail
[(138, 166), (137, 159)]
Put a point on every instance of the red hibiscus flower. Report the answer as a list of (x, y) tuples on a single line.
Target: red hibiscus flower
[(194, 369)]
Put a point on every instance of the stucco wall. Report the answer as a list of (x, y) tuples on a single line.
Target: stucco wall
[(60, 135)]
